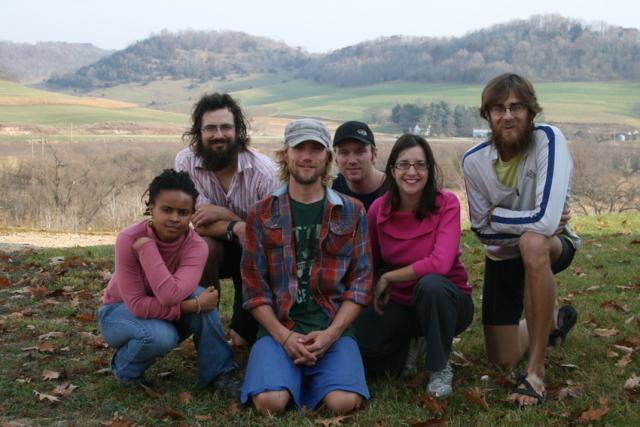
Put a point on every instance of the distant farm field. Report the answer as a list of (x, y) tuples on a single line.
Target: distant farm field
[(275, 95), (168, 102), (20, 105)]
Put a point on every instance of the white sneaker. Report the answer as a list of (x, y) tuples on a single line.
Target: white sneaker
[(440, 382), (417, 347)]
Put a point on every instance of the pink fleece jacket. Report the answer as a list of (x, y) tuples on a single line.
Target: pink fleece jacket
[(430, 246), (154, 281)]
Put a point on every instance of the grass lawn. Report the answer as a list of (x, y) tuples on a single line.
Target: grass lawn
[(50, 351)]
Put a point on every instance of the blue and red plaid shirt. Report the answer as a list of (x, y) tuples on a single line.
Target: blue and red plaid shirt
[(342, 269)]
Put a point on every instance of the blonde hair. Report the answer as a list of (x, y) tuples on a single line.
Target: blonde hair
[(283, 169)]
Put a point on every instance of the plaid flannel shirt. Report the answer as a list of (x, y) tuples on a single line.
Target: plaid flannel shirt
[(342, 269)]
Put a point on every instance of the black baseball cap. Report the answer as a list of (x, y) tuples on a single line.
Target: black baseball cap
[(354, 130)]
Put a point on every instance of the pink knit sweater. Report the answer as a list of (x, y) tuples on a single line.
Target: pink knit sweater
[(430, 246), (154, 281)]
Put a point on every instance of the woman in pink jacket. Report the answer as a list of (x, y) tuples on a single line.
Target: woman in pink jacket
[(421, 288), (153, 300)]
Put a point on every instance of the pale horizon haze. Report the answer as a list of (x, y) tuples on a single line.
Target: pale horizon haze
[(318, 26)]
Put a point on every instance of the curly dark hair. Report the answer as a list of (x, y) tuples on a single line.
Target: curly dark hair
[(428, 198), (170, 179), (212, 102)]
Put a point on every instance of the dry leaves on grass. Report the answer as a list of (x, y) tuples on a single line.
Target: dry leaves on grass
[(592, 414), (571, 390), (185, 397), (47, 397), (232, 409), (431, 423), (604, 332), (93, 340), (171, 414), (429, 402), (64, 389), (633, 383), (48, 375), (333, 421), (477, 396), (42, 347), (4, 282)]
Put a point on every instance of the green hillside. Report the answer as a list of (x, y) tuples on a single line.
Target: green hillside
[(277, 95)]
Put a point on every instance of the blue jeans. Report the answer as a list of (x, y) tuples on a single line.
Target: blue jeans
[(140, 342)]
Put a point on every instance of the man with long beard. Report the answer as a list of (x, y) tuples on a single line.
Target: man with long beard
[(518, 187), (306, 274), (230, 178)]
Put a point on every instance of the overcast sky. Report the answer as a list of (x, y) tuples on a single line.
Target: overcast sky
[(317, 26)]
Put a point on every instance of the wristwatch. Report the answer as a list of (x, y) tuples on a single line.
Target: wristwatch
[(230, 230)]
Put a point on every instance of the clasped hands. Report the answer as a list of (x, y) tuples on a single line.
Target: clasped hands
[(308, 349)]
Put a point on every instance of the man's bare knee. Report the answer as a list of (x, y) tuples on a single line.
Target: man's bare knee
[(271, 402), (534, 249), (342, 402)]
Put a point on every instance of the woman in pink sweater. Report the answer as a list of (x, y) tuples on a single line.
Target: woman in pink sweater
[(153, 300), (421, 288)]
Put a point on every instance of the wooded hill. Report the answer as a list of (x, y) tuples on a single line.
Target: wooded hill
[(544, 47), (32, 62)]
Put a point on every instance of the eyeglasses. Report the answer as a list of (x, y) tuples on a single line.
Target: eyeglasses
[(224, 128), (501, 110), (405, 165)]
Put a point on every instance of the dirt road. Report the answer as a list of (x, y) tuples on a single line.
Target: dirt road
[(13, 241)]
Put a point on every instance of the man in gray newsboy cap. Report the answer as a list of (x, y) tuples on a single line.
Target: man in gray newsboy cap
[(306, 273)]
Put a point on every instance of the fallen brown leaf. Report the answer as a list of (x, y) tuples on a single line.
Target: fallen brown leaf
[(38, 291), (86, 318), (64, 389), (624, 361), (233, 408), (171, 414), (573, 390), (185, 397), (429, 423), (44, 396), (93, 340), (333, 421), (4, 282), (592, 415), (49, 335), (50, 375), (633, 383), (603, 332), (44, 347), (119, 423), (477, 396), (202, 417), (430, 402), (612, 305)]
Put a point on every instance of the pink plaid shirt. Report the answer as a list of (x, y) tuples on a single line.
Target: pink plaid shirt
[(255, 179)]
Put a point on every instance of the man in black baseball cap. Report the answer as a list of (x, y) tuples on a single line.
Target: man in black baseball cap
[(356, 155)]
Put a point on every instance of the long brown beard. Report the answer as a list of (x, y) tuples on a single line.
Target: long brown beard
[(520, 145)]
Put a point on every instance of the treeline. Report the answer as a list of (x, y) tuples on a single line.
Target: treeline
[(31, 62), (196, 55), (544, 47), (438, 118)]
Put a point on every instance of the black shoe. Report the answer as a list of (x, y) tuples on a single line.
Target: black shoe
[(567, 318), (227, 385)]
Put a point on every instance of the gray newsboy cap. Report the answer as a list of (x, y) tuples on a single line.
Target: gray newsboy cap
[(302, 130)]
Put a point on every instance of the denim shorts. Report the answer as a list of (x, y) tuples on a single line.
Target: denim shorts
[(271, 369)]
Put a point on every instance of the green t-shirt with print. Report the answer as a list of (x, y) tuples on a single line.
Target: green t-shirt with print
[(307, 221)]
